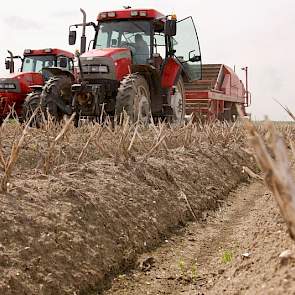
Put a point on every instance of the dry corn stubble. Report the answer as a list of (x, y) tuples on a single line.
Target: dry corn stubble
[(54, 145), (9, 163), (271, 153)]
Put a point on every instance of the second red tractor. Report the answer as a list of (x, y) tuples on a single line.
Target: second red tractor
[(15, 86)]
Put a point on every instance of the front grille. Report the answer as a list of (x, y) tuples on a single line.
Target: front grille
[(110, 86)]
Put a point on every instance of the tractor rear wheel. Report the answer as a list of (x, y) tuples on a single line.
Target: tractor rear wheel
[(56, 97), (134, 98), (31, 103), (177, 102)]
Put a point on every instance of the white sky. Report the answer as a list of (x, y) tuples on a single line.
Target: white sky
[(256, 33)]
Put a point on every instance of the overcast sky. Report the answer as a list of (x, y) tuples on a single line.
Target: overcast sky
[(259, 34)]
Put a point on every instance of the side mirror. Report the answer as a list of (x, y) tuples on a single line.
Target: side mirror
[(194, 58), (63, 62), (72, 37), (7, 64), (170, 27)]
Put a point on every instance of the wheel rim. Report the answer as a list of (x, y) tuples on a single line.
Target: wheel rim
[(142, 105), (177, 103)]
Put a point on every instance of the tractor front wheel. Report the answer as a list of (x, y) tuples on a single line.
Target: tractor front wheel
[(177, 102), (134, 98), (56, 97), (31, 103)]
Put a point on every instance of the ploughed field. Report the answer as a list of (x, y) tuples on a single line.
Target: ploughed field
[(79, 205)]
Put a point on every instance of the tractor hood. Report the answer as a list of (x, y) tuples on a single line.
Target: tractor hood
[(106, 64), (113, 53), (20, 82)]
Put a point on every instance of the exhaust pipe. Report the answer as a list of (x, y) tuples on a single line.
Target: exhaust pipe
[(83, 37), (11, 64)]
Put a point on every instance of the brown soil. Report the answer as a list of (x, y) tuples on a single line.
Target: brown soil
[(235, 250), (70, 232)]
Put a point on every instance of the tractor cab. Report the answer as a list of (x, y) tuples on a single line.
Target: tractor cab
[(135, 35), (151, 38), (33, 61), (37, 61)]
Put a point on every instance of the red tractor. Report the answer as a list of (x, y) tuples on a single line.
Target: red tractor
[(143, 63), (16, 86)]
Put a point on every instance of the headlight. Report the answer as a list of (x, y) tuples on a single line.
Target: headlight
[(111, 14), (134, 13), (7, 86), (99, 69), (96, 69)]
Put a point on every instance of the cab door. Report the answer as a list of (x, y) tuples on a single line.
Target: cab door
[(187, 47)]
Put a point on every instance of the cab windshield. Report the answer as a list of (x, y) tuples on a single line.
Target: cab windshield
[(135, 35), (37, 63)]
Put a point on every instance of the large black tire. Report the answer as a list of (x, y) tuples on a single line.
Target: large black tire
[(176, 101), (134, 98), (56, 97), (31, 103)]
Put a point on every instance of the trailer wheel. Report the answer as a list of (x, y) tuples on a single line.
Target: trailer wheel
[(177, 102), (134, 98), (31, 103), (56, 97), (234, 112), (227, 116), (230, 112)]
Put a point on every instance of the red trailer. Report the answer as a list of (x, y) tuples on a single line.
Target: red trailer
[(217, 94)]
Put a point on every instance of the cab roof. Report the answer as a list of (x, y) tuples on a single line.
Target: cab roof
[(48, 51), (131, 14)]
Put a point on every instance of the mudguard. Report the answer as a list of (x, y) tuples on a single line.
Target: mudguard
[(170, 72), (55, 71), (36, 87)]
